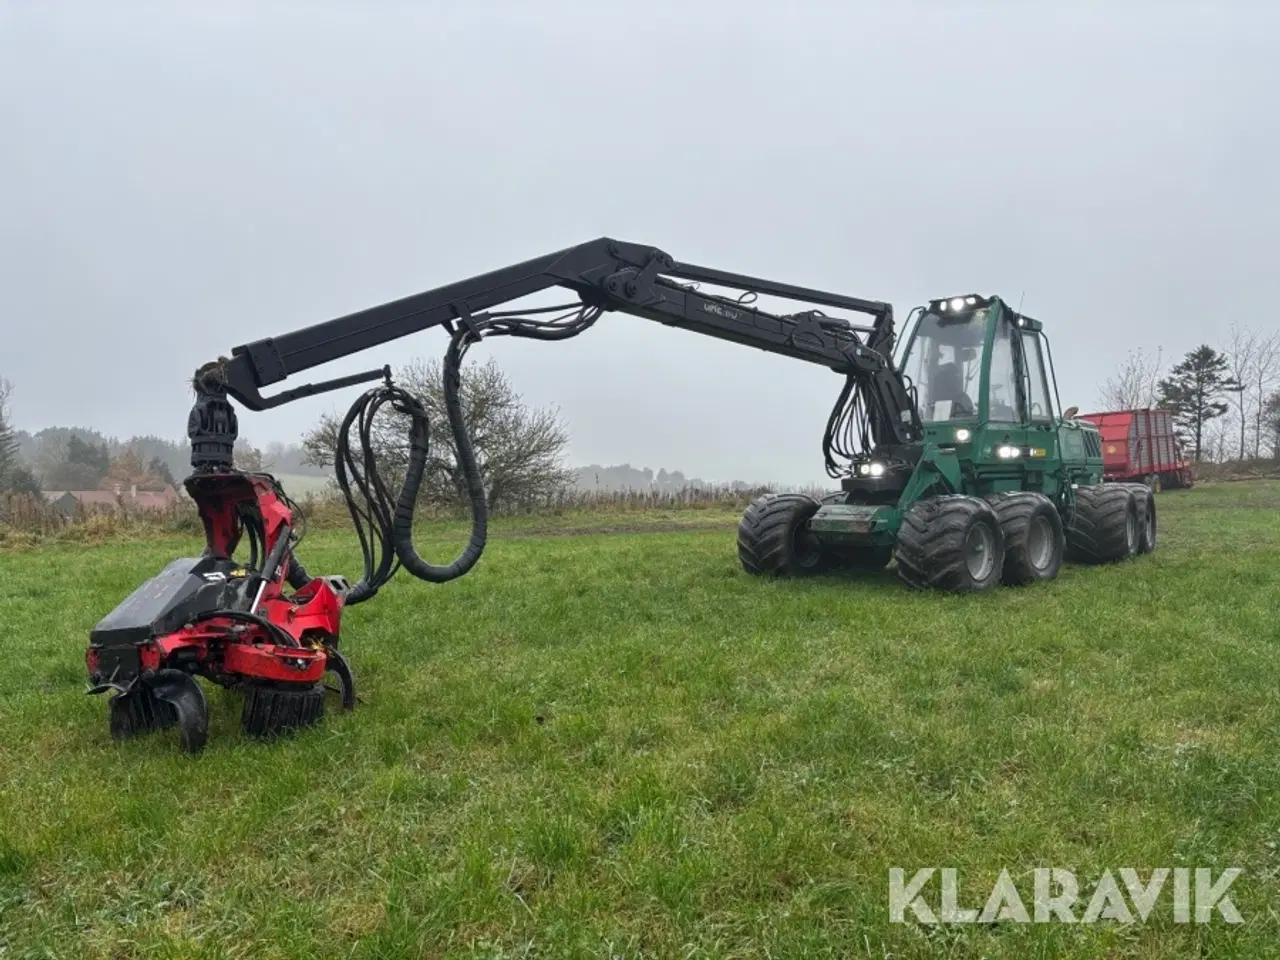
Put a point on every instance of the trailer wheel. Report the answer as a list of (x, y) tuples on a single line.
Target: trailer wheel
[(774, 539), (1105, 526), (951, 542), (1034, 541), (1152, 480)]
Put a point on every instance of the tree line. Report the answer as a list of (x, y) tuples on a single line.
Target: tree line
[(78, 458), (1225, 402), (522, 451), (624, 477)]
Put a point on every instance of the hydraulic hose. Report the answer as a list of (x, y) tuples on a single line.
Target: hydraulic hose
[(418, 452), (281, 636), (385, 528)]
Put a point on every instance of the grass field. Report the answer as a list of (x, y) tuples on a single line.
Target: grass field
[(618, 744)]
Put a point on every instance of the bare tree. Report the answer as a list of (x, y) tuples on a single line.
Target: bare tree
[(1217, 437), (250, 458), (520, 450), (1135, 384), (1271, 422), (1241, 350), (1263, 376)]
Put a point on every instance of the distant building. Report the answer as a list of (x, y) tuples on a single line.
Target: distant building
[(67, 502)]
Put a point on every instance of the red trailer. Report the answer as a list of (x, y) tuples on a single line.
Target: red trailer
[(1140, 446)]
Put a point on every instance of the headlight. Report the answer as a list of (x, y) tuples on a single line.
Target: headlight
[(957, 303), (963, 435), (865, 469), (877, 469), (1008, 453)]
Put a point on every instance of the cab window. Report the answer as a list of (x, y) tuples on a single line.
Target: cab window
[(1002, 383), (943, 362), (1038, 394)]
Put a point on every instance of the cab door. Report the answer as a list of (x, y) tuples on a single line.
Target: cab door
[(1004, 403), (1041, 416), (1048, 438)]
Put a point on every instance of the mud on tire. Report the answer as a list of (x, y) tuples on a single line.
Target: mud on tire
[(951, 543), (1105, 526), (773, 540), (1034, 540)]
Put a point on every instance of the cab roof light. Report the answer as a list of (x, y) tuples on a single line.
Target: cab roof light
[(959, 304)]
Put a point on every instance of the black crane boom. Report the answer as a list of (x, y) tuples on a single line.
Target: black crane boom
[(607, 275)]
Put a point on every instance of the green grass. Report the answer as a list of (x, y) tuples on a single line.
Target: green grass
[(621, 745)]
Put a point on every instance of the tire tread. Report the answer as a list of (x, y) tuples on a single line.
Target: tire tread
[(765, 533), (1096, 534), (930, 547)]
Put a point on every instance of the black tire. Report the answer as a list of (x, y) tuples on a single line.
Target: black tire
[(1145, 501), (1105, 526), (1034, 541), (936, 545), (272, 709), (773, 539)]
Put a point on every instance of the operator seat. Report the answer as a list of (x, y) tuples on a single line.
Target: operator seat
[(949, 385)]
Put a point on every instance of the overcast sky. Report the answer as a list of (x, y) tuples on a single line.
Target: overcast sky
[(182, 178)]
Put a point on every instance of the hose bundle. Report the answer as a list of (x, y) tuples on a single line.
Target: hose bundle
[(385, 525)]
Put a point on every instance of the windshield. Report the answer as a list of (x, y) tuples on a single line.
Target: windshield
[(944, 364)]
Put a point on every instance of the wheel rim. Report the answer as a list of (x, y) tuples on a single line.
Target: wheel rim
[(1130, 529), (979, 551), (1040, 542), (1151, 526)]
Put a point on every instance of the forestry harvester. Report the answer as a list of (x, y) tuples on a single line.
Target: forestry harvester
[(954, 459)]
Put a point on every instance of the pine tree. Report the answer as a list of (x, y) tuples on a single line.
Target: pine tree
[(92, 456), (160, 470), (1193, 392)]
